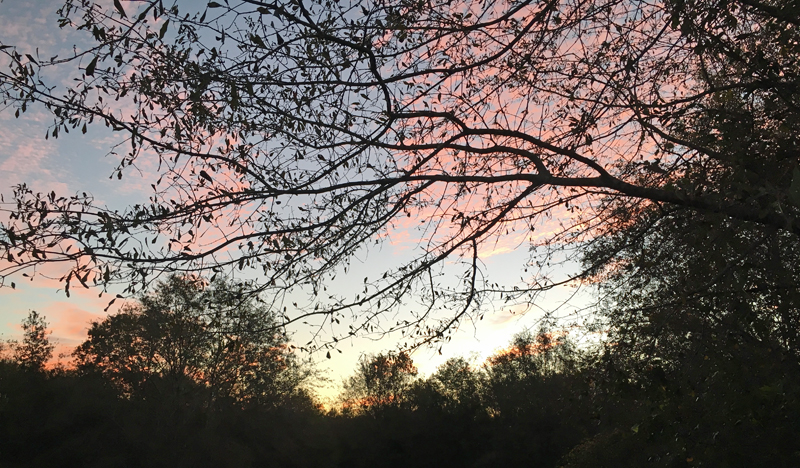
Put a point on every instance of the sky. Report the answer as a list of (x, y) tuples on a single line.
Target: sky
[(79, 163)]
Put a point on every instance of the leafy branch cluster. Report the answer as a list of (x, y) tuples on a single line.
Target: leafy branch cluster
[(290, 135)]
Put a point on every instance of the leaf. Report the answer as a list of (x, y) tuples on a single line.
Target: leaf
[(163, 29), (90, 68), (119, 8), (328, 355), (214, 5), (257, 40), (205, 175)]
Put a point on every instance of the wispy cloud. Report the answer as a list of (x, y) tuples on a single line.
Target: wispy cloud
[(29, 159)]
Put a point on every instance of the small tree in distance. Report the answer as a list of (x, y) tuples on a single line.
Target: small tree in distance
[(381, 381), (36, 348)]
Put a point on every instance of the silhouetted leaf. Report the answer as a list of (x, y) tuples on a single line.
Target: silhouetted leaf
[(90, 68), (119, 8)]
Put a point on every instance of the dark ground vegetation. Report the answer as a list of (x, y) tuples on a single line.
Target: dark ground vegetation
[(541, 402)]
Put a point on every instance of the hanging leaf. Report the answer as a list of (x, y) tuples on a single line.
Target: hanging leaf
[(163, 29), (257, 40), (119, 8), (90, 68)]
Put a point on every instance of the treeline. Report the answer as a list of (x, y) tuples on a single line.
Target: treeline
[(136, 405), (192, 375)]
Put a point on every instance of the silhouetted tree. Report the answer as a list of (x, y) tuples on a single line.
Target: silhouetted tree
[(701, 309), (35, 349), (186, 338), (381, 381), (699, 319), (455, 387), (534, 390)]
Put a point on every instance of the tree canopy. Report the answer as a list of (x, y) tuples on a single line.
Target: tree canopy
[(185, 337), (291, 134), (381, 381), (36, 349)]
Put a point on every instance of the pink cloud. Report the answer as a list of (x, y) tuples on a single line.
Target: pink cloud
[(70, 323)]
